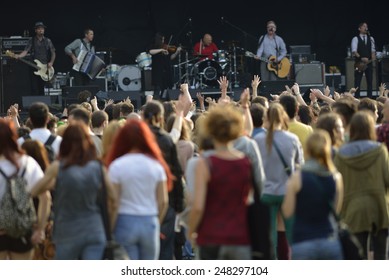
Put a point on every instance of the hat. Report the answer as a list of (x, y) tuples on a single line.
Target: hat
[(39, 24)]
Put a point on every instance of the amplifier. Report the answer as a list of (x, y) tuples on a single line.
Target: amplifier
[(14, 44)]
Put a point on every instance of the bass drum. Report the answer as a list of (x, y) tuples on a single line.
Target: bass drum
[(208, 71), (129, 78)]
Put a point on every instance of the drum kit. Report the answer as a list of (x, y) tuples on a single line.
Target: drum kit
[(201, 72), (198, 71)]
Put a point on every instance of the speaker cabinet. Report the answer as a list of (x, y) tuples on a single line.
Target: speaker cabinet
[(309, 73), (350, 76), (384, 67), (50, 100), (273, 87), (15, 76), (146, 80)]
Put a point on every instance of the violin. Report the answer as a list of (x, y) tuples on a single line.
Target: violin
[(169, 48)]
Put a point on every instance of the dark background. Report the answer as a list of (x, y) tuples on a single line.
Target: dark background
[(127, 27)]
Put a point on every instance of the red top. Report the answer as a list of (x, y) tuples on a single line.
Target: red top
[(225, 216), (206, 50)]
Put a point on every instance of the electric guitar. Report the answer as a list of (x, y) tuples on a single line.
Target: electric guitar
[(42, 71), (361, 66), (281, 69)]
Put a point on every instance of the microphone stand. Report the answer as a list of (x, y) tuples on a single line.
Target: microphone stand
[(245, 36)]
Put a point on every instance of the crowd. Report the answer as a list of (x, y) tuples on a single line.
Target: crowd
[(179, 179)]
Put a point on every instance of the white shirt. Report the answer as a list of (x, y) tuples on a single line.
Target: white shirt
[(354, 43), (32, 174), (41, 135), (138, 176)]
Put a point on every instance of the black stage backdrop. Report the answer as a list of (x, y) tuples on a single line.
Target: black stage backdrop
[(127, 27)]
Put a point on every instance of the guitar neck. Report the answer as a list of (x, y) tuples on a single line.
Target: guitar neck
[(29, 63)]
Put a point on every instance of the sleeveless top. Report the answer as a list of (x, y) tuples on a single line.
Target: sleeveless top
[(313, 214), (75, 200), (225, 215)]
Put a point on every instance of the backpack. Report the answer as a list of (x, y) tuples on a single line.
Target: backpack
[(47, 144), (17, 211)]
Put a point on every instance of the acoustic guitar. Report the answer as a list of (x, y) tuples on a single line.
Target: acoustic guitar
[(281, 69), (42, 71)]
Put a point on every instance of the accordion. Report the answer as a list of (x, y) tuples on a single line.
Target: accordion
[(89, 64)]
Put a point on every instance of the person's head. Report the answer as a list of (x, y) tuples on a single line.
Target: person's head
[(258, 114), (126, 109), (290, 104), (36, 150), (87, 106), (332, 123), (363, 28), (318, 147), (380, 108), (368, 105), (99, 119), (8, 145), (261, 100), (116, 111), (305, 114), (385, 111), (79, 115), (52, 123), (136, 136), (185, 130), (362, 127), (207, 39), (84, 96), (153, 113), (223, 124), (134, 115), (77, 147), (271, 27), (159, 40), (89, 34), (346, 109), (39, 28), (276, 119), (109, 134), (38, 114)]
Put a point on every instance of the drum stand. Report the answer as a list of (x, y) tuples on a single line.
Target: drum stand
[(112, 86), (235, 72)]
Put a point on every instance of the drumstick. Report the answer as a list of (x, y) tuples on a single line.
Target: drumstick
[(201, 45)]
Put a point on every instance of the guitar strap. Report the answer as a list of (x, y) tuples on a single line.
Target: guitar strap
[(261, 40)]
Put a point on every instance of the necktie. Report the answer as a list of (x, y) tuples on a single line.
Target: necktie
[(364, 39)]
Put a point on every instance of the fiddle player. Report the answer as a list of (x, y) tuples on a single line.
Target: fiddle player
[(205, 47), (161, 56)]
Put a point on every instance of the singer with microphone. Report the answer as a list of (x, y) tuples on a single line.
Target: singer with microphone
[(364, 53), (270, 47)]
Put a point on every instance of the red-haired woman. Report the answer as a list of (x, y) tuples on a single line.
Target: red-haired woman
[(14, 161), (141, 177), (77, 178)]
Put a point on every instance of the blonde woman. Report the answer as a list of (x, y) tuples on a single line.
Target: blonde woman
[(309, 193)]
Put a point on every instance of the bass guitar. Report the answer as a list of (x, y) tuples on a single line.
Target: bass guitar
[(281, 68), (42, 71)]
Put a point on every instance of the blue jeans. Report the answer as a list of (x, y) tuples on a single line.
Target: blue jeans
[(81, 246), (317, 249), (139, 235)]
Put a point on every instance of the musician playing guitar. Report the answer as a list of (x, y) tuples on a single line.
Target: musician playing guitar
[(270, 46), (74, 49), (363, 51), (42, 49)]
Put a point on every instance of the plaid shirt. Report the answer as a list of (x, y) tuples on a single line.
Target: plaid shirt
[(383, 134)]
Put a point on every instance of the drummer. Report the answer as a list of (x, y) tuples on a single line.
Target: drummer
[(205, 47)]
